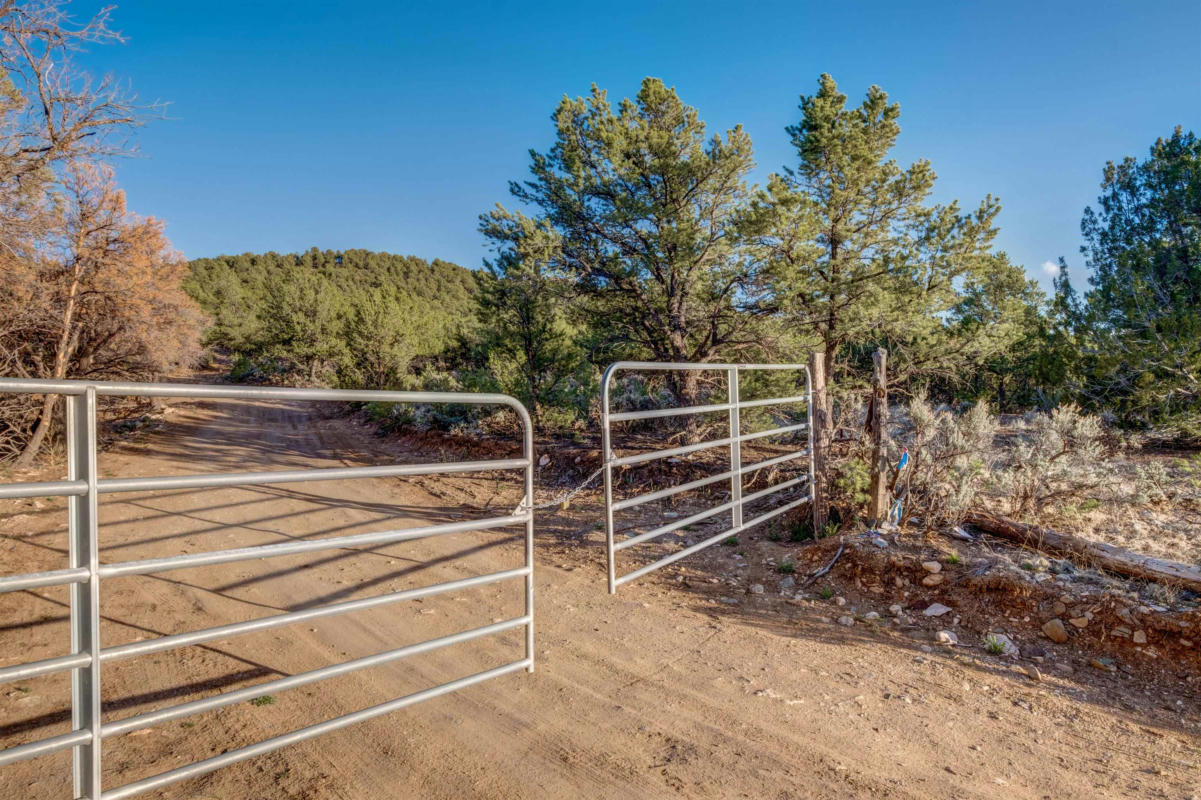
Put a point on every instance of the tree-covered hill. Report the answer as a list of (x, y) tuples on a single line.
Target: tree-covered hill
[(637, 236), (357, 316)]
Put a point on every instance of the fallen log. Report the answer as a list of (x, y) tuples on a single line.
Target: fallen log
[(1096, 554)]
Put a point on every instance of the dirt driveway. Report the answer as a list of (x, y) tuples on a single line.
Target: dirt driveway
[(652, 693)]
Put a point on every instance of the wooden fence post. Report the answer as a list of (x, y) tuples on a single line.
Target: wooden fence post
[(821, 441), (877, 511)]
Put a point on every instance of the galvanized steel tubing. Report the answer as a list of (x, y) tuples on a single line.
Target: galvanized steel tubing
[(84, 573), (738, 502)]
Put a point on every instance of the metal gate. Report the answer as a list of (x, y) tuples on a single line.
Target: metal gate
[(734, 475), (85, 571)]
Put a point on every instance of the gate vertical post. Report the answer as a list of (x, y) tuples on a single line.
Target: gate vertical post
[(735, 448), (85, 597), (528, 448), (812, 456), (607, 461), (819, 398), (877, 510)]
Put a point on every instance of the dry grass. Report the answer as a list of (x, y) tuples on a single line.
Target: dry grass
[(1155, 509)]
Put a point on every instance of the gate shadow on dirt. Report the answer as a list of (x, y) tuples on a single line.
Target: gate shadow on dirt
[(384, 516)]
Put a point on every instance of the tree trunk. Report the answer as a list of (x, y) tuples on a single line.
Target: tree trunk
[(690, 396), (535, 400), (1094, 554), (877, 510), (66, 344), (820, 433), (45, 420), (685, 385)]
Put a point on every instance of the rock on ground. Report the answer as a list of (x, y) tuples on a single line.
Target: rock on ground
[(1055, 630)]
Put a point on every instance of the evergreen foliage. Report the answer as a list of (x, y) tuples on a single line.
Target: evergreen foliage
[(853, 255), (644, 207), (1142, 317), (358, 319), (529, 345), (638, 236)]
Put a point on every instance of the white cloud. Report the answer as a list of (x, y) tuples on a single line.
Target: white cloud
[(1051, 268)]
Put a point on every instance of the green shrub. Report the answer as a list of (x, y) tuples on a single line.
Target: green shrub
[(852, 481), (242, 368)]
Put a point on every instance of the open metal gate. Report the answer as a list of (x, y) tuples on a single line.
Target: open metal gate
[(735, 505), (85, 572)]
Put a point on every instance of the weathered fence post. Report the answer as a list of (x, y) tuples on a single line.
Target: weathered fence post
[(877, 421), (821, 441)]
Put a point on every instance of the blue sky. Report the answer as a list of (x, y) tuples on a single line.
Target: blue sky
[(391, 126)]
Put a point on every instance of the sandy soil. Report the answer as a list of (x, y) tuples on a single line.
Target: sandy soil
[(657, 692)]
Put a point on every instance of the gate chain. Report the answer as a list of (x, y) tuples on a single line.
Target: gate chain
[(561, 499)]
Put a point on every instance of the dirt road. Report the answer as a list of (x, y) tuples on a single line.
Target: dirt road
[(653, 693)]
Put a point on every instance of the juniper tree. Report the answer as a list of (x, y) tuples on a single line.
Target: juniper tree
[(382, 332), (530, 346), (301, 323), (997, 309), (1143, 245)]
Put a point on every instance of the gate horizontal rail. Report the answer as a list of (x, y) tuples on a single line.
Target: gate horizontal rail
[(738, 501), (85, 572)]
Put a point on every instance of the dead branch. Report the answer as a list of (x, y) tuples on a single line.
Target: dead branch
[(1098, 554), (841, 545)]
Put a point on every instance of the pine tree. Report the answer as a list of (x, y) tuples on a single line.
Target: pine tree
[(645, 208), (301, 325), (530, 346), (854, 256), (1000, 316), (382, 333)]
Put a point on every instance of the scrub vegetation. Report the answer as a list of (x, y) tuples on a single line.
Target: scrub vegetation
[(637, 234)]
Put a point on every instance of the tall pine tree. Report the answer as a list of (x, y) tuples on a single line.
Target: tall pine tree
[(854, 255), (530, 347)]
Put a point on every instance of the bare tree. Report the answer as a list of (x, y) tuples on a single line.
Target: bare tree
[(54, 112), (83, 283)]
